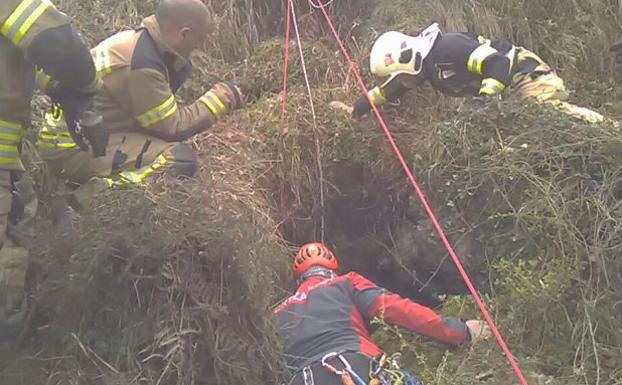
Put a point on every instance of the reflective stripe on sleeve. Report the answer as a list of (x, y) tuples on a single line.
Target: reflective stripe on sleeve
[(9, 154), (476, 59), (102, 60), (158, 113), (42, 80), (377, 96), (214, 104), (21, 20), (491, 86), (11, 132)]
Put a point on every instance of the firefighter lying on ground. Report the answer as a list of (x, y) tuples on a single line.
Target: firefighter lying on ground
[(460, 64), (142, 70), (324, 324), (32, 33)]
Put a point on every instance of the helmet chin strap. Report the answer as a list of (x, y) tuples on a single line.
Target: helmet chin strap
[(316, 270)]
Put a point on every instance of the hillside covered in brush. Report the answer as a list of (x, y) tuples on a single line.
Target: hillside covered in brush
[(174, 283)]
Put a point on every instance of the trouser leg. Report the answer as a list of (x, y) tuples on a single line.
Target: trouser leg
[(13, 267), (131, 159), (549, 88)]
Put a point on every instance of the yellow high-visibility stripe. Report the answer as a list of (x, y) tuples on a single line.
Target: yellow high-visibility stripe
[(10, 160), (10, 131), (491, 86), (213, 109), (22, 19), (138, 176), (23, 30), (377, 96), (102, 60), (476, 59), (44, 144), (13, 125), (158, 113), (214, 104), (8, 148), (42, 80), (6, 27), (9, 154)]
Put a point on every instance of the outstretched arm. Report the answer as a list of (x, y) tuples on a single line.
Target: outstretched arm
[(379, 95), (374, 301)]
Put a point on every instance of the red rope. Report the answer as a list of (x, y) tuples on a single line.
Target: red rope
[(288, 24), (427, 208)]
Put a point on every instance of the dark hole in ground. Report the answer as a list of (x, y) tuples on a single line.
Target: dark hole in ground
[(374, 228)]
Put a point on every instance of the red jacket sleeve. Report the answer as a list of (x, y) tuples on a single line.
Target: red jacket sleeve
[(374, 301)]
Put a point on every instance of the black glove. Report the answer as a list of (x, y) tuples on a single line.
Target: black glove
[(74, 104), (361, 107), (237, 95), (96, 134), (82, 121), (617, 49)]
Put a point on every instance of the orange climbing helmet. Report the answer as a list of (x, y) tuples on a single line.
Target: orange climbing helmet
[(314, 254)]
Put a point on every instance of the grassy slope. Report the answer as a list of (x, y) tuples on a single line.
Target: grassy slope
[(534, 192)]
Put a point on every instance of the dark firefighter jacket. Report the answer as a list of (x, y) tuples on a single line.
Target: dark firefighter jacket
[(460, 64), (34, 33), (331, 315)]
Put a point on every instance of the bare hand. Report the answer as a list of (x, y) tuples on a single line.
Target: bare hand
[(337, 105), (479, 330)]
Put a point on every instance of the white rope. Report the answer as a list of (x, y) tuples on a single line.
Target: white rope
[(318, 154)]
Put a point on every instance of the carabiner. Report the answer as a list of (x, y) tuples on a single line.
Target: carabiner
[(330, 367)]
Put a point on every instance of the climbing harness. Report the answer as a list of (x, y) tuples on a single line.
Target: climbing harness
[(441, 233), (347, 374), (386, 371)]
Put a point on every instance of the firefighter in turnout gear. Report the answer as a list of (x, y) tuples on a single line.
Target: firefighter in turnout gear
[(33, 33), (460, 64), (324, 324), (142, 70)]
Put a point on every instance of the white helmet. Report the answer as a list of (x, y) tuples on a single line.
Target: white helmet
[(395, 53)]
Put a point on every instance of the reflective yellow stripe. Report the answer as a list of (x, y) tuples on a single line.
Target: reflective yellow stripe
[(53, 145), (158, 113), (54, 134), (213, 102), (477, 57), (9, 154), (8, 148), (11, 132), (102, 60), (22, 19), (42, 80), (205, 100), (138, 176), (491, 86), (377, 96), (10, 21)]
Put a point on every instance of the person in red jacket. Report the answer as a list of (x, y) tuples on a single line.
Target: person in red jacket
[(324, 324)]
